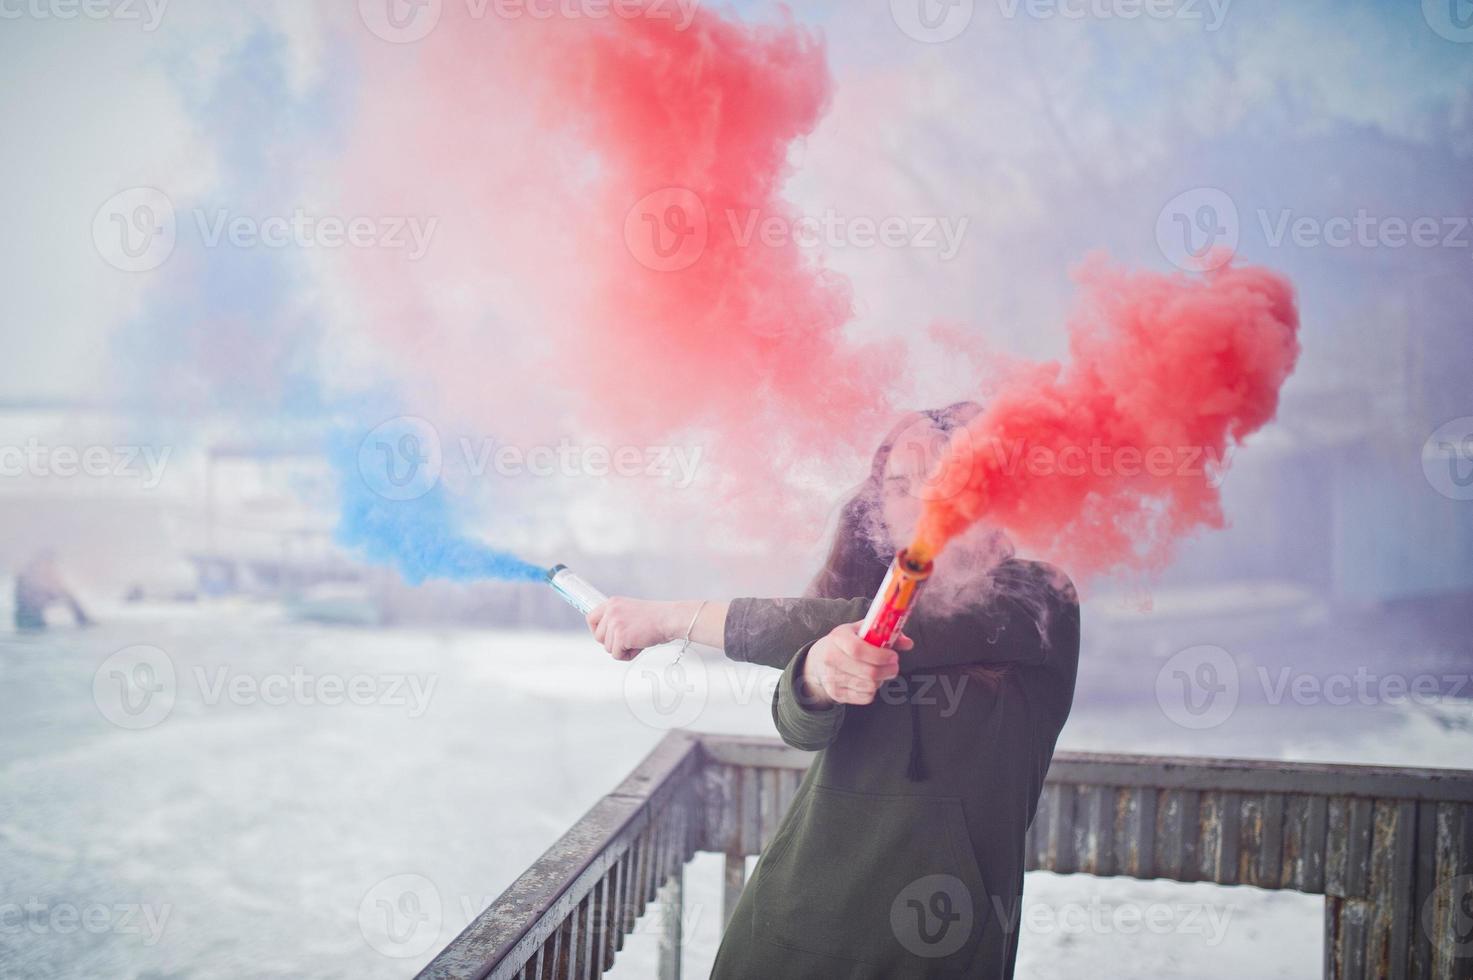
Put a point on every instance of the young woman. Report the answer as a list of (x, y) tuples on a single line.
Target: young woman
[(902, 854)]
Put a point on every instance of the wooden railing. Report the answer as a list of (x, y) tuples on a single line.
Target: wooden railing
[(1390, 849)]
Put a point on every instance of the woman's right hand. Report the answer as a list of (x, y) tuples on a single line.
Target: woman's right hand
[(843, 669), (626, 627)]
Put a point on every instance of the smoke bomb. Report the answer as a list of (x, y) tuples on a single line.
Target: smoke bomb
[(895, 599), (579, 594)]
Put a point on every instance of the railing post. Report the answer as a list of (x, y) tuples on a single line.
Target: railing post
[(735, 878), (671, 940), (1346, 920), (604, 910)]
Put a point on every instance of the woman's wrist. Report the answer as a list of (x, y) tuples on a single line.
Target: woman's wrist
[(678, 616), (812, 695)]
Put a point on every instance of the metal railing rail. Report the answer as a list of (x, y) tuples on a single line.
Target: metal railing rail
[(1390, 849)]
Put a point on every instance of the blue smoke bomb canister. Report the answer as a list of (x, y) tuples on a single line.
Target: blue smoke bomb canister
[(571, 586)]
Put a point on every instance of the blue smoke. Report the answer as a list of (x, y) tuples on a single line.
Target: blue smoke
[(395, 511)]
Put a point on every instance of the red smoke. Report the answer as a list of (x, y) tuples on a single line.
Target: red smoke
[(1105, 463), (603, 189), (554, 152)]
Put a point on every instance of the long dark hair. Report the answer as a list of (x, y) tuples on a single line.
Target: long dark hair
[(861, 550)]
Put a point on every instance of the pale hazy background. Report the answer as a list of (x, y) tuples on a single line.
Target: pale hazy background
[(206, 388)]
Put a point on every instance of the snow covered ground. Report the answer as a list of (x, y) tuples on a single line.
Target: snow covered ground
[(244, 821)]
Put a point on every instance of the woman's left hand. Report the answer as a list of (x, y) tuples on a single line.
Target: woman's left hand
[(841, 668), (626, 627)]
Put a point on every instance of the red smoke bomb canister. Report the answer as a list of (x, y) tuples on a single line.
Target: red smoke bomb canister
[(895, 600)]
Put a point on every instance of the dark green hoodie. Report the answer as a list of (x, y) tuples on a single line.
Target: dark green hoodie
[(902, 854)]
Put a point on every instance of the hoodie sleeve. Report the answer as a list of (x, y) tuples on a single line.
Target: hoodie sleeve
[(770, 631), (1063, 653), (799, 723), (1028, 625)]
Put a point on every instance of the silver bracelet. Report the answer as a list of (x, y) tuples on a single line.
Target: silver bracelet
[(685, 643)]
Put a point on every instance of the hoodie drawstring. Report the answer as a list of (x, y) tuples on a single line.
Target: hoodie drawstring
[(915, 770)]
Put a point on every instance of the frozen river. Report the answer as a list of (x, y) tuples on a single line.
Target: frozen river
[(219, 794)]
